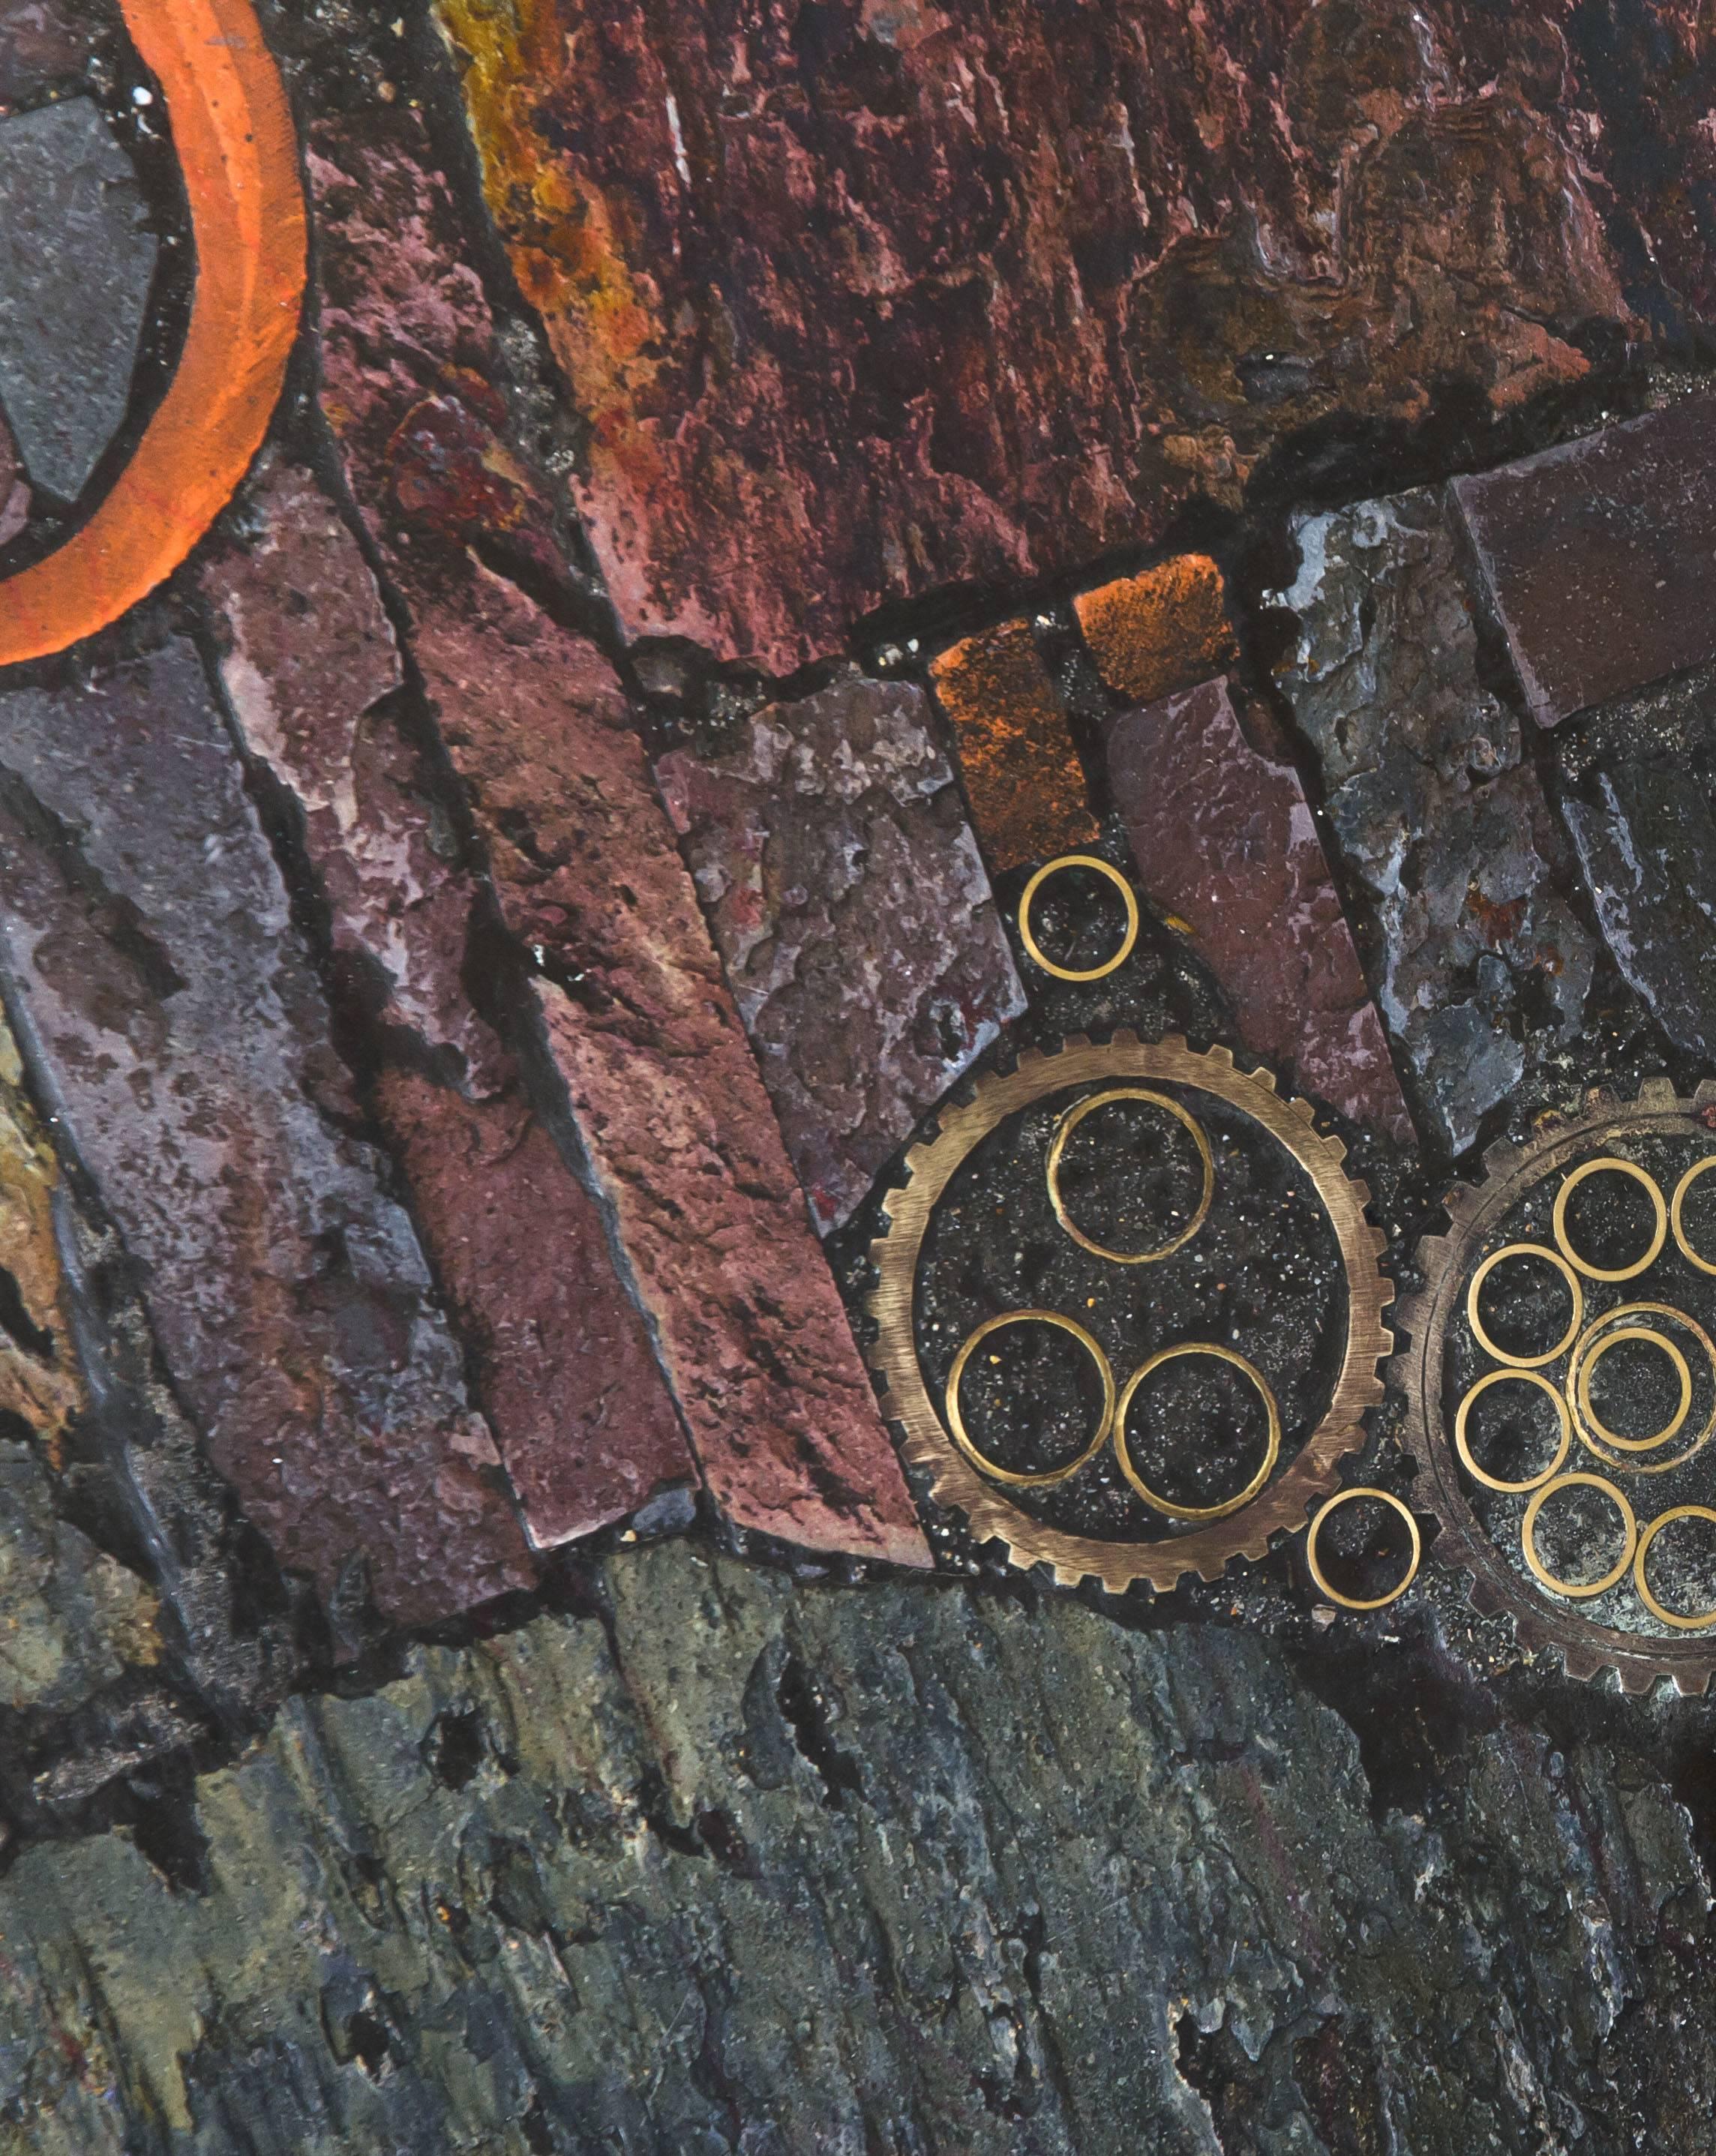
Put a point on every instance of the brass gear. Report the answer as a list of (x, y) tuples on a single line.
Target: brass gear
[(1207, 1550), (1584, 1647)]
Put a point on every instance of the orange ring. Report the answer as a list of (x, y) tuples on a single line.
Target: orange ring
[(232, 130)]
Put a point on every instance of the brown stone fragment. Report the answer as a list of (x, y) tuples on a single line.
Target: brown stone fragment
[(1164, 630), (1022, 773), (184, 1047), (849, 901), (1597, 557), (680, 1134), (39, 1381), (563, 1364), (1223, 837)]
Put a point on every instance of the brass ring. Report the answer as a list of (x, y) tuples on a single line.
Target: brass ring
[(1588, 1413), (1610, 1161), (1346, 1498), (1102, 868), (1070, 1122), (1464, 1449), (1527, 1535), (1479, 1278), (1271, 1450), (956, 1420), (1687, 1251), (1649, 1536), (1635, 1464)]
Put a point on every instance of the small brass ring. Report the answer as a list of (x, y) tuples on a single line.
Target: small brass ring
[(1635, 1464), (1462, 1446), (1070, 1122), (1549, 1257), (1527, 1535), (1687, 1251), (1619, 1166), (1271, 1450), (1346, 1498), (956, 1420), (1588, 1413), (1649, 1536), (1039, 958)]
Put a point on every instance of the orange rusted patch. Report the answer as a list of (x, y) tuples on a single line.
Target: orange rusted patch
[(1016, 754), (233, 133), (1164, 630)]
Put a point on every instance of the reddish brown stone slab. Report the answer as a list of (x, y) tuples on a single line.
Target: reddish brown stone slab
[(1223, 838), (1022, 773), (183, 1044), (563, 1362), (680, 1134), (849, 904), (865, 299), (1597, 556), (1162, 630)]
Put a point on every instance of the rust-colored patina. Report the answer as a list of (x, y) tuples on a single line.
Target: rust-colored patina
[(233, 133), (1022, 773)]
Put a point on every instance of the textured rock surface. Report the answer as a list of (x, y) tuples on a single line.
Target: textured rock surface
[(1596, 557), (1223, 838), (14, 487), (1476, 961), (867, 301), (180, 1037), (1022, 773), (76, 258), (1164, 629), (848, 903), (771, 1870), (40, 1384)]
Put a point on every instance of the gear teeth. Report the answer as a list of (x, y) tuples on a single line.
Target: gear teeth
[(1123, 1036), (1692, 1684), (1657, 1094), (1498, 1157), (1705, 1095), (1223, 1057), (1601, 1100), (1581, 1661), (1074, 1040), (1635, 1680)]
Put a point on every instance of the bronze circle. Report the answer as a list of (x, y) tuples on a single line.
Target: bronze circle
[(1346, 1498), (1479, 1278), (956, 1420), (1687, 1251), (1271, 1450), (1070, 1122), (1039, 958), (1527, 1535), (1463, 1448), (1649, 1536), (1635, 1464), (1613, 1163), (1588, 1413)]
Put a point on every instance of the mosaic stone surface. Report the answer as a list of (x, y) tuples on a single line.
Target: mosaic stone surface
[(1164, 629), (1022, 773)]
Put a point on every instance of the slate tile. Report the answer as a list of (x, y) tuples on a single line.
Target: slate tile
[(76, 258), (1224, 838), (1164, 629), (850, 907), (1598, 557), (1022, 772)]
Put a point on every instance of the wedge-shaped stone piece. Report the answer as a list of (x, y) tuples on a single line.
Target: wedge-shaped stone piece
[(1021, 766), (1164, 629)]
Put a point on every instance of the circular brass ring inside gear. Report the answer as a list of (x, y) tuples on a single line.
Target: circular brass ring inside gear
[(1668, 1616), (1588, 1415), (1197, 1552), (1070, 1122), (1687, 1251), (1346, 1498), (956, 1420), (1039, 958), (1634, 1463), (1462, 1445), (1271, 1451), (1527, 1535), (1549, 1257), (1610, 1162)]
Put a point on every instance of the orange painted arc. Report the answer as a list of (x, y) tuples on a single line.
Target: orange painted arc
[(233, 134)]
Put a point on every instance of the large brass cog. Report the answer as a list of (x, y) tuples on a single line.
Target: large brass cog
[(1585, 1647), (1205, 1551)]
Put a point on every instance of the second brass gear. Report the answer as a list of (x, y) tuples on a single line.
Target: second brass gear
[(1311, 1474), (1584, 1647)]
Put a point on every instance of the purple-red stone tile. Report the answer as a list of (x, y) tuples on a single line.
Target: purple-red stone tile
[(1224, 839), (850, 905), (1597, 555), (181, 1038)]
